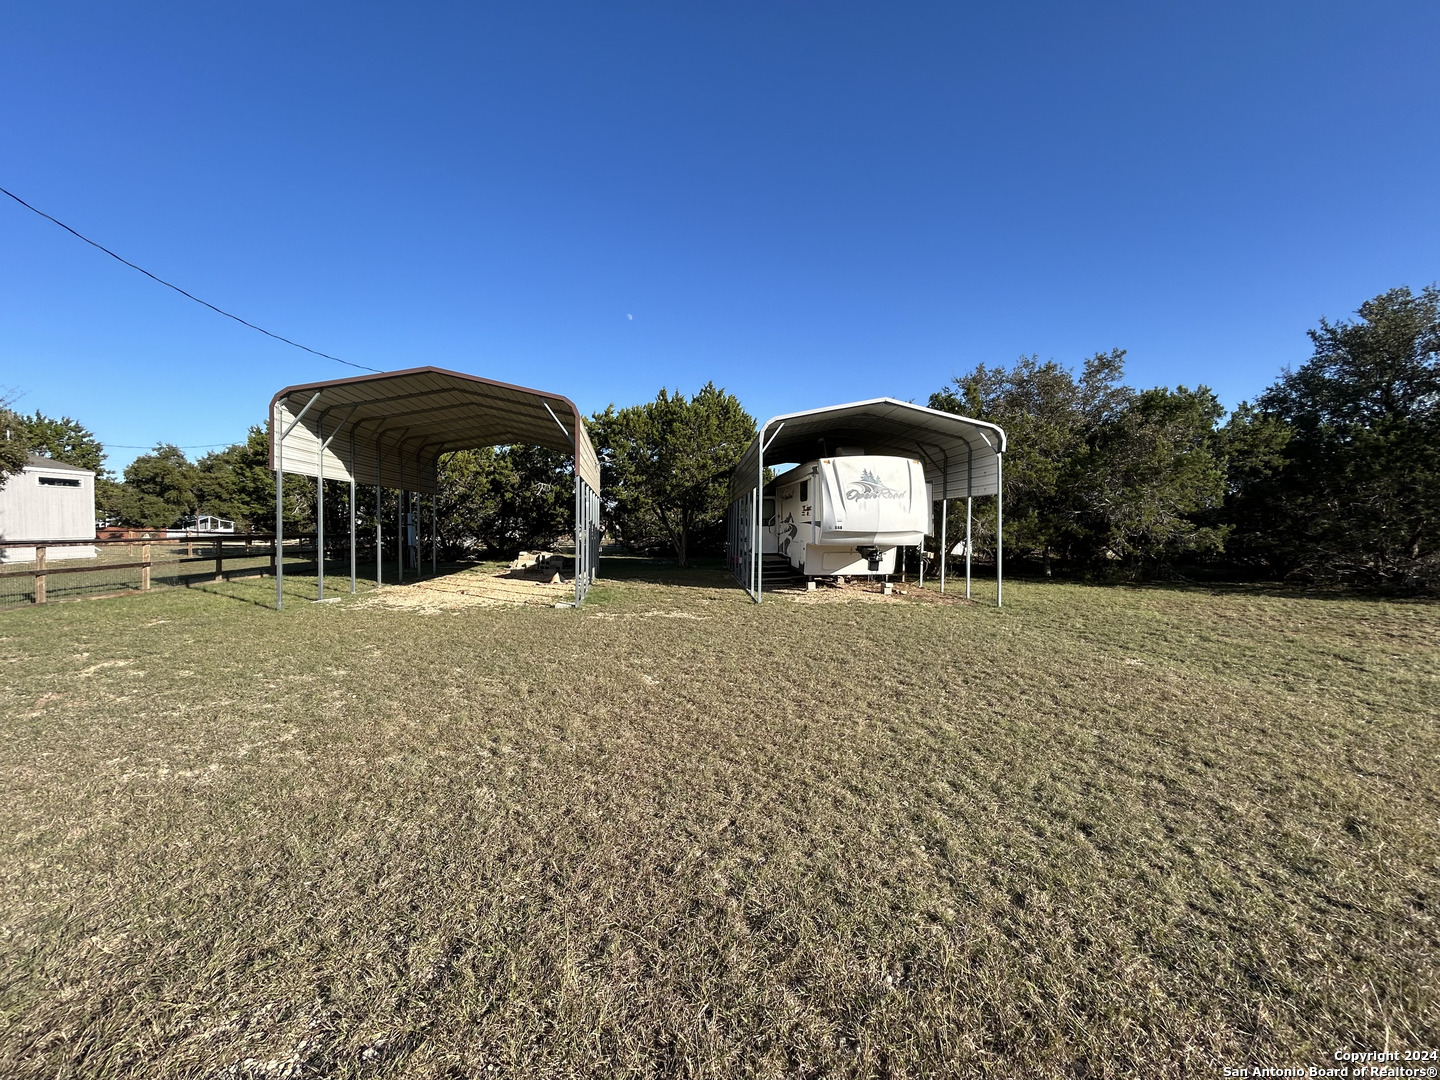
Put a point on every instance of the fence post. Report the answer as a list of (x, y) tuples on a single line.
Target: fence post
[(145, 567), (40, 574), (219, 560)]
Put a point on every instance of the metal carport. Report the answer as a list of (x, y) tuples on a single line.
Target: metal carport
[(390, 430), (963, 458)]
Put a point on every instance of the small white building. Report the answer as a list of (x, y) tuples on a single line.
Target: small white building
[(47, 500)]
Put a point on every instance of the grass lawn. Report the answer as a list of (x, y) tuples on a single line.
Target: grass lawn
[(1103, 832)]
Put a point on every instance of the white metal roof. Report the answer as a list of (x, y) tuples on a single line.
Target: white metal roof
[(959, 454), (390, 429)]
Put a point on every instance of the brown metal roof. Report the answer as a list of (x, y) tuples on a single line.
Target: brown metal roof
[(390, 429)]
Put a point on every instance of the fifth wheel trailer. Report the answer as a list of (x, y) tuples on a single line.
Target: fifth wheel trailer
[(849, 514), (960, 459)]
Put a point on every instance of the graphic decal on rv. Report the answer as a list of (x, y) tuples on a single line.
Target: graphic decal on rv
[(786, 531), (870, 486)]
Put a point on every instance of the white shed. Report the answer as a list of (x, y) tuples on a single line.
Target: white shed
[(47, 500)]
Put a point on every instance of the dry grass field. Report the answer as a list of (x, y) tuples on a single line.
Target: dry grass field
[(1105, 832)]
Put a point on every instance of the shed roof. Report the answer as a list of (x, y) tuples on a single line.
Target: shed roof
[(40, 461), (391, 428), (959, 454)]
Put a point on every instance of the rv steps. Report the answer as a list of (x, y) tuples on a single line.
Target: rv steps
[(777, 573)]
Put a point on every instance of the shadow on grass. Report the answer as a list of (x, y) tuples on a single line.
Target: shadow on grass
[(708, 573), (1196, 586), (258, 589)]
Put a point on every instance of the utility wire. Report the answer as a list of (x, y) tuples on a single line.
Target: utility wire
[(182, 292), (151, 446)]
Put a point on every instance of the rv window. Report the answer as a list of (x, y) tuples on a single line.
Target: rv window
[(804, 490), (769, 512), (56, 481)]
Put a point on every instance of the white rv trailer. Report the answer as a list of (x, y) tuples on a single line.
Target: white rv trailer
[(962, 458), (849, 514), (204, 525)]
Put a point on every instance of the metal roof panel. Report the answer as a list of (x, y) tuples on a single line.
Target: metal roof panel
[(390, 428)]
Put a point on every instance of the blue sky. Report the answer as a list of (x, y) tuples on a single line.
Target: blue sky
[(806, 203)]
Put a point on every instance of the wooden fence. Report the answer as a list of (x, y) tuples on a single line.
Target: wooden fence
[(216, 550)]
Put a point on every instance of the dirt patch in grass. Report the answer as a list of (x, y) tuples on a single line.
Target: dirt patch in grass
[(1100, 833), (473, 588)]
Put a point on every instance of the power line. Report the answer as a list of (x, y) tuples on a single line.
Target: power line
[(185, 446), (182, 292)]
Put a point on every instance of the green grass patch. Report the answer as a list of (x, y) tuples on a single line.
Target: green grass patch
[(1100, 832)]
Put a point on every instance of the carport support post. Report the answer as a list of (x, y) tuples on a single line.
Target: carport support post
[(756, 543), (580, 537), (999, 528), (967, 546), (755, 550), (280, 494), (279, 523), (434, 538), (352, 511), (944, 539), (320, 509), (379, 540), (749, 545), (969, 496)]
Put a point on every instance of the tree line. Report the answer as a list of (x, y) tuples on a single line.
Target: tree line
[(1331, 475)]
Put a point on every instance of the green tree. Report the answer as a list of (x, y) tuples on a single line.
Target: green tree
[(158, 490), (499, 500), (1151, 478), (1049, 416), (65, 440), (1357, 497), (665, 468), (14, 447), (237, 482), (1252, 444), (1096, 473)]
